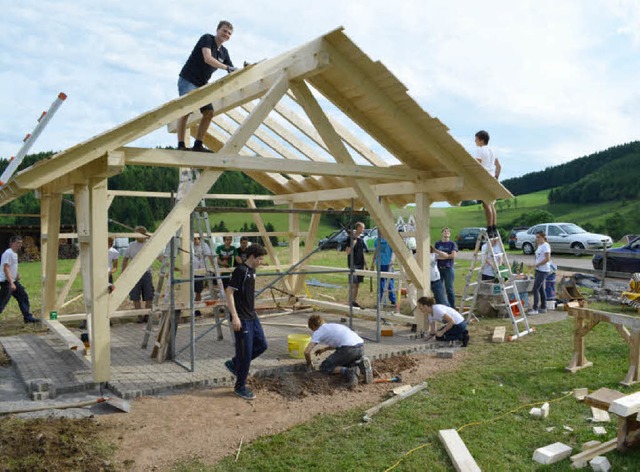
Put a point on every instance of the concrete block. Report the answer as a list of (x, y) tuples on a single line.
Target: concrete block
[(626, 406), (599, 430), (499, 334), (600, 464), (590, 444), (444, 354), (600, 416), (580, 393), (545, 410), (536, 412), (552, 453)]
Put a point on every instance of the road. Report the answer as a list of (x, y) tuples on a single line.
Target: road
[(579, 263)]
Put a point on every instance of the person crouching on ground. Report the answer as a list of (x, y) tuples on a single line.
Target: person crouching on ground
[(453, 328), (348, 346), (249, 336)]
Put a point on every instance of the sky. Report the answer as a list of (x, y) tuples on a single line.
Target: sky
[(550, 80)]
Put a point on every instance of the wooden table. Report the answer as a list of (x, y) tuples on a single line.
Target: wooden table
[(628, 327)]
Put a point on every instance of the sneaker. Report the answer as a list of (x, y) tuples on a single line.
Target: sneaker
[(366, 370), (200, 148), (542, 310), (230, 367), (182, 147), (31, 319), (245, 393), (355, 305), (197, 313), (532, 312), (465, 339)]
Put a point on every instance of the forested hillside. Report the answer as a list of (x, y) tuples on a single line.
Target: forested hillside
[(132, 211), (603, 176)]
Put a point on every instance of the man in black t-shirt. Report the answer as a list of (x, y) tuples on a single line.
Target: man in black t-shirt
[(358, 247), (250, 339), (208, 55)]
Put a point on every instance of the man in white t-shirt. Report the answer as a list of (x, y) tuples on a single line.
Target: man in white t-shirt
[(112, 259), (543, 268), (453, 326), (10, 281), (201, 253), (485, 156), (348, 346)]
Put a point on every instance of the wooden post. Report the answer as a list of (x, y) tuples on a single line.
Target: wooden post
[(99, 281), (50, 209), (581, 327), (294, 243), (309, 246), (423, 252), (633, 376)]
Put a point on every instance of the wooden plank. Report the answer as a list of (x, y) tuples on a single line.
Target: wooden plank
[(499, 334), (70, 339), (462, 459), (603, 398), (595, 451), (626, 406), (51, 208)]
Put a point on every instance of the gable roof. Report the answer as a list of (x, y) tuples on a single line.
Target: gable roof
[(367, 102)]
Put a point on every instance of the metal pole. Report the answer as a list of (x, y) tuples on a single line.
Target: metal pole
[(192, 294)]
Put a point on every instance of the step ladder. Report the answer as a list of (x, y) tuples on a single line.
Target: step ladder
[(162, 296), (30, 138), (494, 255)]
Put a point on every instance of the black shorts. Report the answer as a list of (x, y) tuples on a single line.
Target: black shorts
[(144, 287), (357, 279)]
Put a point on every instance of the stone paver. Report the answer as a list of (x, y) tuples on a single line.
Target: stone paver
[(134, 373)]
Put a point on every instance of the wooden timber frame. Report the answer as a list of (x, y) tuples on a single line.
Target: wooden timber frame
[(628, 326), (295, 124)]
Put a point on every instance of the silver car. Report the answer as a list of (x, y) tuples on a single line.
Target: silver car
[(562, 237)]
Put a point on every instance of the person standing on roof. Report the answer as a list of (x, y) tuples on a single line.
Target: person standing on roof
[(208, 55), (485, 156)]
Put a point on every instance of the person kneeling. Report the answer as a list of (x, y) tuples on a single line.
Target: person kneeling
[(453, 328), (348, 346)]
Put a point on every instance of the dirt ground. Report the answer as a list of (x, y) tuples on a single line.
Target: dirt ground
[(210, 424)]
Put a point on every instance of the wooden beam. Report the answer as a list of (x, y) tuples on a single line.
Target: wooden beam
[(462, 459), (235, 161), (50, 206), (203, 183), (70, 339), (217, 196), (431, 187), (340, 153)]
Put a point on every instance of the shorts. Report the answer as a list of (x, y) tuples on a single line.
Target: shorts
[(357, 279), (144, 287), (184, 87), (198, 284), (342, 357)]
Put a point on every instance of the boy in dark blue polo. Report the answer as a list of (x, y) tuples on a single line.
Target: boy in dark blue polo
[(250, 340)]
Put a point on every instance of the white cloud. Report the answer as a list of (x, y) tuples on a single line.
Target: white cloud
[(550, 80)]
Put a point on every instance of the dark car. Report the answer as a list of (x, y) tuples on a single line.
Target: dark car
[(467, 238), (616, 262), (339, 241), (512, 235)]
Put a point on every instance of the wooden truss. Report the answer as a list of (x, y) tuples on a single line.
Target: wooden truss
[(297, 124)]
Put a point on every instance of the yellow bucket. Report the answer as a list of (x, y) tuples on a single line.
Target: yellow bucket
[(297, 344)]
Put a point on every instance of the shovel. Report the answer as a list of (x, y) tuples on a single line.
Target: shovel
[(115, 402), (396, 379)]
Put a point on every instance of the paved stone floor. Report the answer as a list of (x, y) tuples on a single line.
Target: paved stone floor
[(46, 359)]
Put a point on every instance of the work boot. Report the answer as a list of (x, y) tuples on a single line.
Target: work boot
[(31, 319), (351, 375), (199, 147), (366, 370), (182, 147), (465, 339)]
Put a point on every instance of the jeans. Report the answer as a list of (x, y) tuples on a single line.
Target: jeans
[(383, 283), (342, 357), (250, 343), (538, 290), (448, 274), (438, 293), (184, 87), (456, 332), (20, 294)]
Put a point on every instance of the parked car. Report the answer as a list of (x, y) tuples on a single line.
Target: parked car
[(616, 263), (370, 239), (562, 237), (513, 233), (467, 237), (338, 242)]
